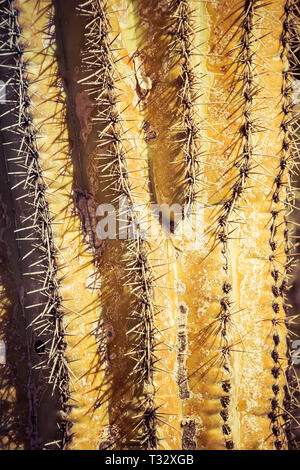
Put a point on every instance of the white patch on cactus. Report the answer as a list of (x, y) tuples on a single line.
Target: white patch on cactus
[(296, 95), (2, 352), (179, 287), (2, 92)]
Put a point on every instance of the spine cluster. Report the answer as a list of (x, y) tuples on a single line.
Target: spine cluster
[(42, 302), (184, 47), (102, 79), (283, 194), (242, 90)]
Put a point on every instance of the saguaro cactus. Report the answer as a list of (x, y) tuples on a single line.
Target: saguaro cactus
[(164, 325)]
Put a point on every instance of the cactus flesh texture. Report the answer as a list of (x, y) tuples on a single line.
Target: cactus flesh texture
[(174, 120)]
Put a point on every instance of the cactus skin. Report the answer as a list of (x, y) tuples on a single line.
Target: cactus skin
[(136, 321), (147, 343), (35, 292), (82, 385)]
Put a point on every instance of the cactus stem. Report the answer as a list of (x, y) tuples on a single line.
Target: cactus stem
[(290, 29), (101, 65)]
